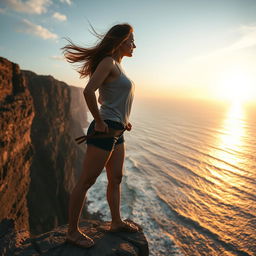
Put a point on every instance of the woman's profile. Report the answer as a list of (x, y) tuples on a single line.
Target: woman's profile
[(105, 139)]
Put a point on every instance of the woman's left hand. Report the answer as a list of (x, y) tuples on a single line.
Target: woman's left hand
[(129, 127)]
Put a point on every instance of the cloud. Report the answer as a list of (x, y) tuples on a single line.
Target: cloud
[(29, 6), (247, 38), (37, 30), (59, 16), (66, 1)]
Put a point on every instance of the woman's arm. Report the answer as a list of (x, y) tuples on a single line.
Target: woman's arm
[(102, 71)]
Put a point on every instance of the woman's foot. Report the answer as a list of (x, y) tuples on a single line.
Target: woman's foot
[(123, 226), (79, 239)]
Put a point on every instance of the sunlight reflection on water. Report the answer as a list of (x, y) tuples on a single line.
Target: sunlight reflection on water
[(231, 140)]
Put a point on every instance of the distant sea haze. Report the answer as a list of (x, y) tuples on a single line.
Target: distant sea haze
[(189, 178)]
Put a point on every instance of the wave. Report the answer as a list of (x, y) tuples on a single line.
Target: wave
[(192, 224), (178, 182), (199, 155)]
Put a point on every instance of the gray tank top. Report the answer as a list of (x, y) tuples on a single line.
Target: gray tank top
[(116, 98)]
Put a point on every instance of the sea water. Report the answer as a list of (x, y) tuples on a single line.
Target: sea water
[(189, 177)]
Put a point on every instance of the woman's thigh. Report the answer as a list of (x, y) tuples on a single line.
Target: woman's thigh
[(94, 161), (114, 165)]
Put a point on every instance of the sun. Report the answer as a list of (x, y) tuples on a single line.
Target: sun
[(235, 85)]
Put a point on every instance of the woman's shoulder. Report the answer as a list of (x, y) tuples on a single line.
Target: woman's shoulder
[(105, 65), (108, 60)]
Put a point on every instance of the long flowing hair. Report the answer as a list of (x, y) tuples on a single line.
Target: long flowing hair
[(89, 58)]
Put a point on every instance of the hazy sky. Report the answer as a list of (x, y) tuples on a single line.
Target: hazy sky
[(185, 48)]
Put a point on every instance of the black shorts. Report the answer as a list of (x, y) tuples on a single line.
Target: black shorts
[(106, 143)]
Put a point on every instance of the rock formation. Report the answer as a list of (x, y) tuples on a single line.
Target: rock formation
[(16, 116), (52, 168), (39, 159), (53, 243)]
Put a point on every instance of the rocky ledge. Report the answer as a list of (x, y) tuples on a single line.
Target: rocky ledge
[(53, 243)]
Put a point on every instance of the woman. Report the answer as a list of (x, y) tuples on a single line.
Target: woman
[(105, 142)]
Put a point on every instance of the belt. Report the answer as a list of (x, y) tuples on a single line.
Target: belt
[(111, 133)]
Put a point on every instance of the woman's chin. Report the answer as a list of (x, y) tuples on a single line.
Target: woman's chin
[(128, 54)]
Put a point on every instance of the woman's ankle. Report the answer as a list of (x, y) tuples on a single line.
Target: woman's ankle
[(116, 221), (73, 230)]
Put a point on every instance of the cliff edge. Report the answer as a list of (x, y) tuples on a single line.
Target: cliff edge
[(53, 243)]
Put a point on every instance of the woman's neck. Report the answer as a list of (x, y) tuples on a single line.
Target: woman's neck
[(117, 57)]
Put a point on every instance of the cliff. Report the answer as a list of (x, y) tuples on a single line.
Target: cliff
[(55, 152), (16, 115), (40, 161), (78, 114), (53, 243)]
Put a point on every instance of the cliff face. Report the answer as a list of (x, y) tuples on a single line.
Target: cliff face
[(39, 159), (79, 120), (78, 111), (16, 116), (57, 157)]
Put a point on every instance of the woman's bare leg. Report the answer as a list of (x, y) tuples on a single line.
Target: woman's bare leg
[(94, 162), (114, 168)]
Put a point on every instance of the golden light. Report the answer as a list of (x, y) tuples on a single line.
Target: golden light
[(235, 85), (228, 145), (233, 131)]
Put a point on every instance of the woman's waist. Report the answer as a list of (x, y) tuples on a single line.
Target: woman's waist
[(114, 115), (114, 124), (115, 129)]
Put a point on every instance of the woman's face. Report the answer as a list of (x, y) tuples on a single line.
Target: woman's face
[(128, 46)]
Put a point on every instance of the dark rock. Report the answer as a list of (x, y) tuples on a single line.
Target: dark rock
[(54, 242), (12, 240), (39, 159), (54, 153), (60, 115), (16, 150)]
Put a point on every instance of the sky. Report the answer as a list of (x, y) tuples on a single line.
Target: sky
[(185, 48)]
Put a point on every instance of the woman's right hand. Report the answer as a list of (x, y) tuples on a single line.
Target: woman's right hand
[(101, 126)]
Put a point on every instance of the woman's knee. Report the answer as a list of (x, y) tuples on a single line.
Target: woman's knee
[(86, 183)]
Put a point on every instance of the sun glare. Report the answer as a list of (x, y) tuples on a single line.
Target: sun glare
[(235, 85)]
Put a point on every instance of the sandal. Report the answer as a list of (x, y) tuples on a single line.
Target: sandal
[(84, 242)]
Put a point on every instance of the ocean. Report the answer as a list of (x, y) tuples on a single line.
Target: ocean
[(189, 177)]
